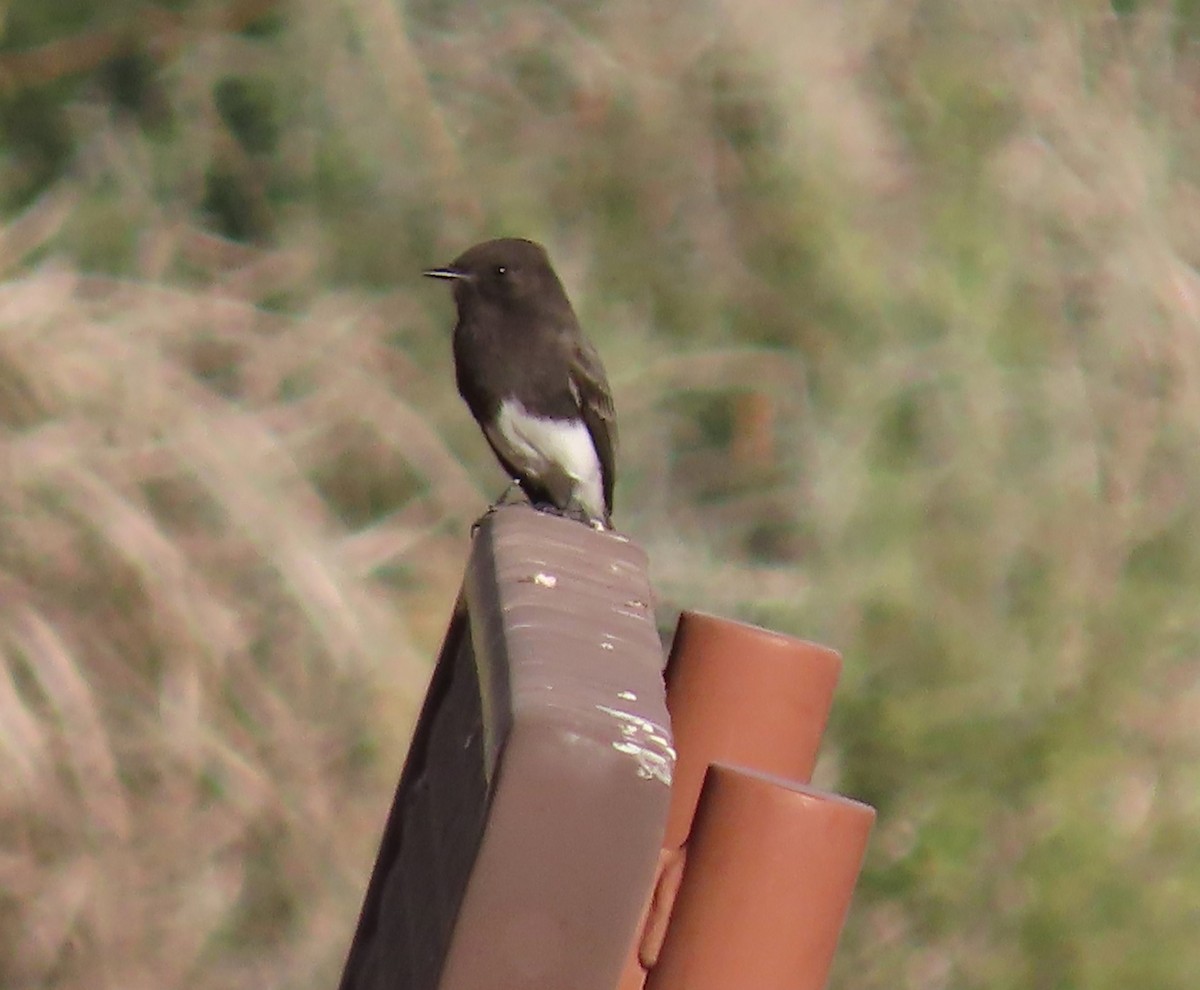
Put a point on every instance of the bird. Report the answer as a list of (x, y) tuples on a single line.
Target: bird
[(532, 380)]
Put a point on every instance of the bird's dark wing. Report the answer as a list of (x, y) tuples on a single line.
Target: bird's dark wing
[(590, 387)]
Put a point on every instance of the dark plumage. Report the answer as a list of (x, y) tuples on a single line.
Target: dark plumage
[(531, 379)]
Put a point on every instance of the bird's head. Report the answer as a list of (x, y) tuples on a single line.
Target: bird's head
[(511, 274)]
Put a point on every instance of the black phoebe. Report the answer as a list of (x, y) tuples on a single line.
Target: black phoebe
[(531, 379)]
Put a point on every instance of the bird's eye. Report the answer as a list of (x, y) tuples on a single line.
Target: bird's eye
[(501, 270)]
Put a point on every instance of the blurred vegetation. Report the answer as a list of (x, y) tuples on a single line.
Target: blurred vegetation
[(901, 306)]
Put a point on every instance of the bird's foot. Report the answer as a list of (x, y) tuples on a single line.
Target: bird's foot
[(573, 512)]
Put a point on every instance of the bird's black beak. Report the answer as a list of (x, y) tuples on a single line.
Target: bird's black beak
[(447, 272)]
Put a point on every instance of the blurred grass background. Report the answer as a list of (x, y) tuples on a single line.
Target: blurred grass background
[(900, 303)]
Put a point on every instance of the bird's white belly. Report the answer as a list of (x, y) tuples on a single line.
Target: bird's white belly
[(546, 447)]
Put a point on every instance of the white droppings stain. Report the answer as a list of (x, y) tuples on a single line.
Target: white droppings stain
[(607, 646), (645, 742), (545, 580), (627, 696)]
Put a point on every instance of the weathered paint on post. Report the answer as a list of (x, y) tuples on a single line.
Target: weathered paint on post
[(522, 841)]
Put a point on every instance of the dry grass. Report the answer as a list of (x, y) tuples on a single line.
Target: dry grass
[(901, 305), (190, 626)]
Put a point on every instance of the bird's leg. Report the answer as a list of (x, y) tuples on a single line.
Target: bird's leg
[(501, 500), (504, 495)]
